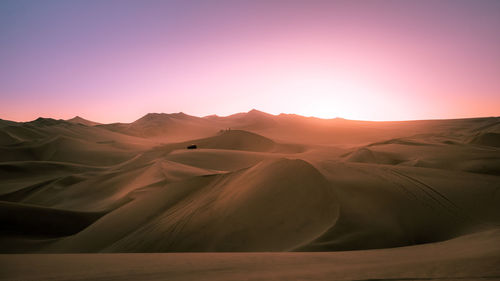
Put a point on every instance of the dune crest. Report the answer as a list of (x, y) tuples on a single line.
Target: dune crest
[(256, 209), (255, 182)]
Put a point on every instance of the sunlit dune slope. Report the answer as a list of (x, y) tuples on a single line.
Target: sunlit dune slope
[(388, 206), (273, 206), (255, 182)]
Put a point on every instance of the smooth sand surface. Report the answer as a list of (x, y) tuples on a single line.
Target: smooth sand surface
[(471, 257), (256, 183)]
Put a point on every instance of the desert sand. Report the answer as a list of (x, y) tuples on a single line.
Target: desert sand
[(338, 199)]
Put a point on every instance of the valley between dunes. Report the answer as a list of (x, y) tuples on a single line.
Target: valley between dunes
[(256, 183)]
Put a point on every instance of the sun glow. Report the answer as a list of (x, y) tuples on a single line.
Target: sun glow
[(327, 95)]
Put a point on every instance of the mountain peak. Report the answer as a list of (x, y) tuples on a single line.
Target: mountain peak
[(164, 117), (256, 112), (46, 121), (152, 116), (212, 116), (79, 120), (180, 115), (253, 110)]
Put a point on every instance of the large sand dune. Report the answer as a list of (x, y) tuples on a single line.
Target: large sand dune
[(256, 182)]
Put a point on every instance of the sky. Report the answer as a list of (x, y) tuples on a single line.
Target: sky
[(114, 61)]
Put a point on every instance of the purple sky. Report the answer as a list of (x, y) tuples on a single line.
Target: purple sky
[(374, 60)]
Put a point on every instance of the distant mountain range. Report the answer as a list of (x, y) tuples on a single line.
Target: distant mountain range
[(177, 127)]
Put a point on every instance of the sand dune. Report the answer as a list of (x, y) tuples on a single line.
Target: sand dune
[(33, 220), (250, 210), (487, 139), (64, 149), (19, 175), (384, 206), (218, 159), (470, 257), (43, 129), (430, 152), (270, 183), (238, 140)]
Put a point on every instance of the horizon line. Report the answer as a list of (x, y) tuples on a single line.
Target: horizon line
[(246, 112)]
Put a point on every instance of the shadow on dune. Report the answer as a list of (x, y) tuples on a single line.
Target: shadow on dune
[(79, 186)]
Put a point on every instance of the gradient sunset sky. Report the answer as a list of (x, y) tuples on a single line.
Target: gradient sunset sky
[(113, 61)]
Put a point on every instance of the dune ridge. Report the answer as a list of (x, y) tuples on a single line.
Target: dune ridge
[(255, 182)]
